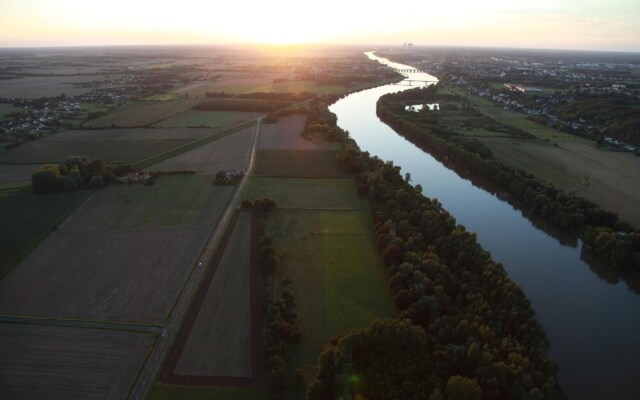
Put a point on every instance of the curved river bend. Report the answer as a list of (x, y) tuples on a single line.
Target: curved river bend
[(591, 317)]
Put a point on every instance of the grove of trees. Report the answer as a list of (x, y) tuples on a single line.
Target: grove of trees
[(75, 173)]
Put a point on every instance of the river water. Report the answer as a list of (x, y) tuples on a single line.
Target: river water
[(590, 314)]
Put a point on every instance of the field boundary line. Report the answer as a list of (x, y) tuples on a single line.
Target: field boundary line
[(82, 323), (192, 145)]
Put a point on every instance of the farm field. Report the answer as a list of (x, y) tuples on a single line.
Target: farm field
[(229, 152), (177, 392), (283, 152), (209, 119), (45, 86), (480, 132), (162, 97), (20, 231), (444, 88), (292, 86), (129, 134), (220, 341), (243, 85), (111, 275), (55, 362), (285, 134), (305, 193), (141, 114), (335, 268), (112, 151), (123, 256), (199, 89), (175, 200), (298, 163), (16, 173), (609, 179), (518, 120), (509, 118)]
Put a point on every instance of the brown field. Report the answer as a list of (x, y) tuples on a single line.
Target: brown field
[(219, 343), (16, 173), (230, 152), (54, 362), (124, 276), (298, 163), (283, 152), (123, 256), (130, 134), (609, 179), (142, 114), (113, 151), (45, 86), (285, 135)]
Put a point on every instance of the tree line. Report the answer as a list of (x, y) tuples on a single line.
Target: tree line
[(463, 330), (284, 96), (281, 325), (76, 173), (615, 241), (236, 104)]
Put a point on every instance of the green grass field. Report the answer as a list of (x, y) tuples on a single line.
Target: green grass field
[(508, 118), (209, 119), (337, 276), (479, 132), (519, 121), (306, 193), (458, 91), (28, 218), (175, 392)]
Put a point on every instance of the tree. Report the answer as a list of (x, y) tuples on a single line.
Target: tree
[(391, 359), (45, 179), (461, 388)]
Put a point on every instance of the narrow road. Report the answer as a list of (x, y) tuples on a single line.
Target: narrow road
[(157, 355)]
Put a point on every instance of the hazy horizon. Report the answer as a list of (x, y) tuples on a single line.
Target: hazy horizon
[(555, 25)]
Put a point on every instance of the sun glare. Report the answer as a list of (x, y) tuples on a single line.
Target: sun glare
[(463, 22)]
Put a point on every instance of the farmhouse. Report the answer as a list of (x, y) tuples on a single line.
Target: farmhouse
[(135, 177)]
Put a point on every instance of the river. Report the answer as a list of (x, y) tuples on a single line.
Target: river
[(590, 314)]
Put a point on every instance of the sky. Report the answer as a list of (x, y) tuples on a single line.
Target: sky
[(554, 24)]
